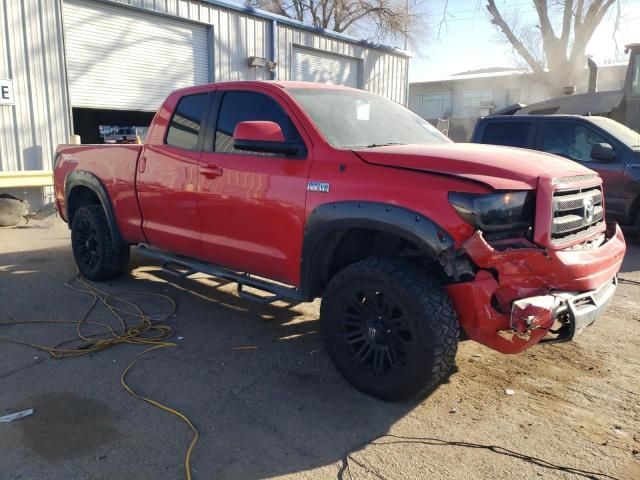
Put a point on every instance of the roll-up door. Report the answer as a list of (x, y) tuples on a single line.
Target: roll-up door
[(316, 66), (121, 58)]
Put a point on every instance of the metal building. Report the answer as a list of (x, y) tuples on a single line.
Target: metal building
[(73, 66), (455, 102)]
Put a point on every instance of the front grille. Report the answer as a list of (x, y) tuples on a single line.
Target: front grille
[(577, 213)]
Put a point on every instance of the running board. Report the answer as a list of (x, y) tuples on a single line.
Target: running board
[(183, 267)]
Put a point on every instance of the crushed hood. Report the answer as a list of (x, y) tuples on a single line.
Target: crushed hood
[(501, 168)]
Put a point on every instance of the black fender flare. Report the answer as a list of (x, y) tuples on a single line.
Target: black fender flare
[(330, 218), (87, 179)]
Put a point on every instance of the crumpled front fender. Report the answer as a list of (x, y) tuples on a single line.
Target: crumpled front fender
[(484, 305)]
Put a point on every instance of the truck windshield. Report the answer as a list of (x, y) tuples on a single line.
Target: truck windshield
[(355, 119), (629, 137)]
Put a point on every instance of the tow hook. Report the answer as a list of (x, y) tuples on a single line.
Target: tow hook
[(533, 313)]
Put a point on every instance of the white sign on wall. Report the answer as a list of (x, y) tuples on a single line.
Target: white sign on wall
[(6, 92)]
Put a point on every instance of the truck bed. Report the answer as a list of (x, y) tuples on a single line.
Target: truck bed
[(115, 168)]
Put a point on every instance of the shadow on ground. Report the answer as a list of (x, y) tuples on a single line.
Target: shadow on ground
[(253, 378)]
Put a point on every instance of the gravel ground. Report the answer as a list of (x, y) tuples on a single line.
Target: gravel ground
[(279, 408)]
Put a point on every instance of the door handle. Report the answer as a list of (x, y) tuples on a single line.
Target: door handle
[(211, 170), (142, 164)]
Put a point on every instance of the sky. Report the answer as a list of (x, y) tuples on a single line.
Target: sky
[(468, 41)]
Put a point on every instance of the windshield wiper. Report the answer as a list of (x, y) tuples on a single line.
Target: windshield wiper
[(373, 145)]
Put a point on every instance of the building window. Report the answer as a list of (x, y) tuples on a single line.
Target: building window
[(475, 99), (435, 105)]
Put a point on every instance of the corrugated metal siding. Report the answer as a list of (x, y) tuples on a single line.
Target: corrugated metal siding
[(32, 55), (383, 73), (320, 66), (119, 58), (238, 36)]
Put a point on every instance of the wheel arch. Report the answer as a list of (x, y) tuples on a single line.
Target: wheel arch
[(84, 188), (330, 226)]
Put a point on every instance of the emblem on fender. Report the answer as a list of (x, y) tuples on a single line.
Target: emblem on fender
[(318, 187)]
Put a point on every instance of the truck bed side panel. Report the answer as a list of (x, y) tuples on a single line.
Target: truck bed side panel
[(115, 166)]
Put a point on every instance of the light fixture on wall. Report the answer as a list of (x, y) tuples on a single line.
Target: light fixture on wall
[(255, 62)]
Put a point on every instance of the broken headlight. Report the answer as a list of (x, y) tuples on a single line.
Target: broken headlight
[(503, 212)]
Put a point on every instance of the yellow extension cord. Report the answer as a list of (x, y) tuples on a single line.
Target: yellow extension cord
[(153, 334)]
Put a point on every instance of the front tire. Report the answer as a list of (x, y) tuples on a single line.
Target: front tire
[(389, 328), (97, 255)]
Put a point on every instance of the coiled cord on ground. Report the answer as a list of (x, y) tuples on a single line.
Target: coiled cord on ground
[(154, 334)]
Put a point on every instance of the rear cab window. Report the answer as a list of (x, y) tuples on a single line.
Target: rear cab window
[(184, 128), (509, 134)]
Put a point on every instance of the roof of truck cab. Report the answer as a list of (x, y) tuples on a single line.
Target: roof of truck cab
[(524, 118), (283, 84)]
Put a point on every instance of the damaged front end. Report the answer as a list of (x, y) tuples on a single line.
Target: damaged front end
[(523, 294)]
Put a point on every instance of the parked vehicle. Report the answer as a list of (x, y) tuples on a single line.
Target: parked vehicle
[(123, 135), (303, 190), (620, 105), (599, 143)]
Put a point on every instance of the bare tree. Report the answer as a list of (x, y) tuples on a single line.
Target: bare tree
[(390, 19), (555, 47)]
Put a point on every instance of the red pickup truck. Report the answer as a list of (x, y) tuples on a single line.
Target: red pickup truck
[(300, 190)]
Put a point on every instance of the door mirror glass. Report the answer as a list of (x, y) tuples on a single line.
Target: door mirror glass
[(603, 152), (264, 137)]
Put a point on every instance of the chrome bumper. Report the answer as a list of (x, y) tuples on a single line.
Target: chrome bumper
[(572, 311), (585, 308)]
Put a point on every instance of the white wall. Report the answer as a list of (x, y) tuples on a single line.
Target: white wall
[(31, 54)]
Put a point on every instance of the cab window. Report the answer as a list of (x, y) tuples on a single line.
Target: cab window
[(239, 107), (514, 134), (570, 140), (184, 128)]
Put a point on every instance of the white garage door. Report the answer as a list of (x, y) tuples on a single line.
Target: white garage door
[(119, 58), (315, 66)]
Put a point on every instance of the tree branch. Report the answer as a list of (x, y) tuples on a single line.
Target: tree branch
[(513, 40)]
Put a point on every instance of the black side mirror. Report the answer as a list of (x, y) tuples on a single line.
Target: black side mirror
[(603, 152)]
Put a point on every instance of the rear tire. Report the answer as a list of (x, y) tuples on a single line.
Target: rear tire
[(97, 255), (389, 328)]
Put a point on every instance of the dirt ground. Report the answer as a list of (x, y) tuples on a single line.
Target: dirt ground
[(279, 408)]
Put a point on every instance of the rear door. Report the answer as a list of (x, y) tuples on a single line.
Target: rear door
[(510, 133), (252, 205), (168, 179)]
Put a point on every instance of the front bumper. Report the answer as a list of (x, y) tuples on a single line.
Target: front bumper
[(521, 296)]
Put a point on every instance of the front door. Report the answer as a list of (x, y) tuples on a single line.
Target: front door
[(574, 141), (252, 205)]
